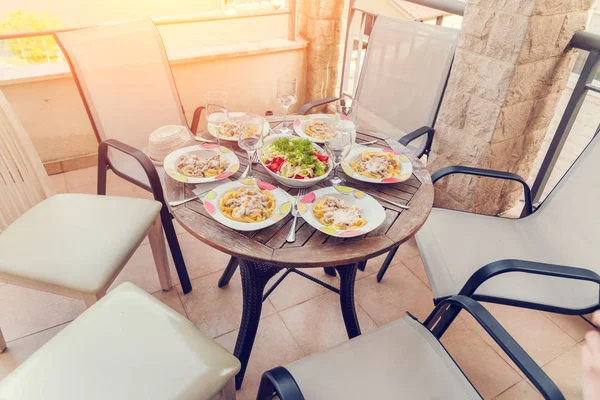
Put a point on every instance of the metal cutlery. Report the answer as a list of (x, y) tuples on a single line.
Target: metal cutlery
[(253, 160), (176, 203), (389, 201), (291, 237), (201, 139), (367, 143)]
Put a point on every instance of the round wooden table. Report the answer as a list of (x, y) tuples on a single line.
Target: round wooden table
[(262, 254)]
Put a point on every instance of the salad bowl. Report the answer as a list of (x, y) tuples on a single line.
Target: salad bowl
[(299, 181)]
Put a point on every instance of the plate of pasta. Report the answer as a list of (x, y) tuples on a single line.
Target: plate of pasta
[(230, 130), (208, 162), (247, 204), (316, 127), (377, 165), (341, 211)]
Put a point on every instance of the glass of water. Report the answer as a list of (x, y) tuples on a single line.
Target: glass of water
[(346, 115), (286, 96), (216, 112), (251, 137), (338, 148)]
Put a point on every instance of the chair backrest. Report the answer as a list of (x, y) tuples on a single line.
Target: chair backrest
[(23, 180), (124, 78), (405, 70), (570, 215)]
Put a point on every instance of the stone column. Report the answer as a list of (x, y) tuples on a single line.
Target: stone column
[(319, 22), (511, 65)]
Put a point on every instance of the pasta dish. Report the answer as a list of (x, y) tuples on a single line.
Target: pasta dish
[(376, 165), (333, 212), (247, 204), (194, 166), (320, 129), (232, 129)]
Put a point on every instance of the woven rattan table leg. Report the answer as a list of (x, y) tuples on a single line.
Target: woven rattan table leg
[(254, 279), (347, 278)]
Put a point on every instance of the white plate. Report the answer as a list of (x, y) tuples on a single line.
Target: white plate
[(290, 182), (235, 116), (405, 165), (371, 210), (303, 120), (283, 204), (205, 150)]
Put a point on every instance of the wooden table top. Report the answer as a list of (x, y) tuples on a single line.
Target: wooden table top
[(312, 247)]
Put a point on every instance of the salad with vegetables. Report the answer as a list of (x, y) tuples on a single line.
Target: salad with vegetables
[(294, 158)]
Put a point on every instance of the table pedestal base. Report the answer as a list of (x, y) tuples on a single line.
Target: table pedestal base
[(254, 280)]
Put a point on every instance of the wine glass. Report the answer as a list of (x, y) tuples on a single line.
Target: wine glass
[(216, 112), (286, 95), (346, 115), (338, 148), (251, 137)]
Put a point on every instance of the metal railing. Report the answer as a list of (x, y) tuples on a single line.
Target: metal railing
[(290, 11), (591, 43), (357, 41)]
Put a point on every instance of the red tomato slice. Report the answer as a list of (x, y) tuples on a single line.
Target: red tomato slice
[(322, 157), (298, 176)]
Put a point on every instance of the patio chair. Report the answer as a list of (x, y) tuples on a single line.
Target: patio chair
[(69, 244), (403, 359), (546, 260), (128, 346), (127, 87), (401, 83)]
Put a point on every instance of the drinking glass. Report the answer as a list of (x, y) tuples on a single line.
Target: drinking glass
[(338, 148), (251, 137), (216, 112), (286, 96), (346, 115)]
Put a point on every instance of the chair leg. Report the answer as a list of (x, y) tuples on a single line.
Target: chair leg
[(91, 298), (386, 263), (159, 253), (2, 342), (171, 235), (228, 391), (228, 272)]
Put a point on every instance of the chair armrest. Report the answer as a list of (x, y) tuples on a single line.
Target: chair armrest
[(424, 130), (280, 381), (142, 159), (516, 353), (196, 119), (489, 173), (309, 106), (530, 267)]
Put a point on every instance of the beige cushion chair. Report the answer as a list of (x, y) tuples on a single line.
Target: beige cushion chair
[(402, 360), (127, 346), (69, 244)]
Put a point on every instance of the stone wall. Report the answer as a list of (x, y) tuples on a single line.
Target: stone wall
[(320, 22), (511, 65)]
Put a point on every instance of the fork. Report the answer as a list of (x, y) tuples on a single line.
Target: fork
[(253, 160), (291, 237)]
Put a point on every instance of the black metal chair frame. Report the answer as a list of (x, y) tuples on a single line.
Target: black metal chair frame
[(155, 185), (280, 381)]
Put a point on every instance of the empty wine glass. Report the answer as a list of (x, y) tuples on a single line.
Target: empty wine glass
[(216, 112), (251, 137), (286, 95), (338, 148)]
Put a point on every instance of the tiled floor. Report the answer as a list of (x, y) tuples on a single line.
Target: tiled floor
[(301, 318)]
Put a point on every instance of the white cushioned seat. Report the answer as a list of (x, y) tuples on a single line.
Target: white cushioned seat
[(127, 346), (75, 241), (563, 231), (402, 360)]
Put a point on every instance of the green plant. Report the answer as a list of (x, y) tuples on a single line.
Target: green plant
[(37, 49)]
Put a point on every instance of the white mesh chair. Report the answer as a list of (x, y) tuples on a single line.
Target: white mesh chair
[(69, 244), (402, 360), (126, 84), (402, 79), (546, 260), (128, 346)]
